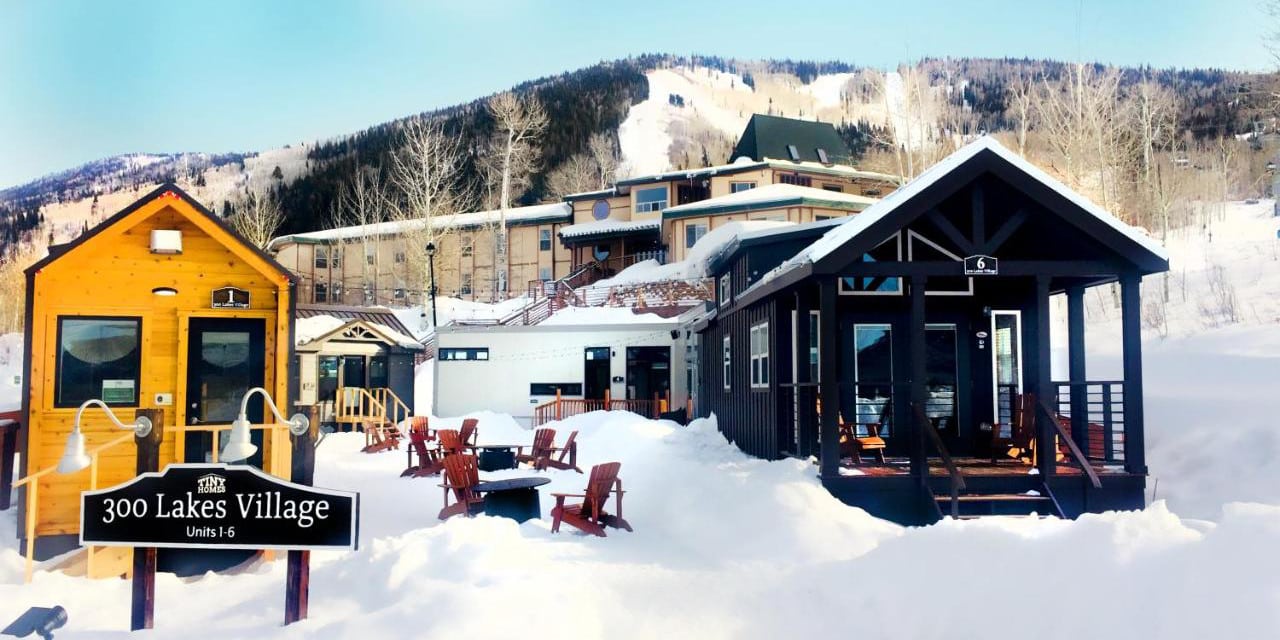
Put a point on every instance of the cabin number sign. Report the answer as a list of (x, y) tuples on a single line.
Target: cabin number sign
[(981, 266), (218, 506), (230, 298)]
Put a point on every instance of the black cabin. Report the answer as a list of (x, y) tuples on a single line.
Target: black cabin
[(924, 321)]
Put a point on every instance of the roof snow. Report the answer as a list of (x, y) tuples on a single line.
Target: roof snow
[(609, 226), (553, 211), (776, 195)]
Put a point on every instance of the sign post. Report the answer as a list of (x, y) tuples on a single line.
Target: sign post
[(297, 582), (142, 614)]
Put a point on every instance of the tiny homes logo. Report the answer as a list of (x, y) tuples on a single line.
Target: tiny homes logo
[(211, 483)]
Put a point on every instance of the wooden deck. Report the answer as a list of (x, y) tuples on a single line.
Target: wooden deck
[(969, 467)]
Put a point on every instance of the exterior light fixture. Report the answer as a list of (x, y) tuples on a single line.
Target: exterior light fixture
[(73, 457), (165, 291), (166, 241), (240, 446)]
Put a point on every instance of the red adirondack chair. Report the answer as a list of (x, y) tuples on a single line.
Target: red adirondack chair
[(544, 441), (462, 474), (450, 442), (380, 437), (429, 459), (469, 433), (570, 450), (1021, 438), (589, 515)]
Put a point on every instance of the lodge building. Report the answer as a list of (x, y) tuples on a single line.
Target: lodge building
[(793, 168), (918, 330)]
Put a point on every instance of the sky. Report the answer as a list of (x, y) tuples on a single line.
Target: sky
[(88, 79)]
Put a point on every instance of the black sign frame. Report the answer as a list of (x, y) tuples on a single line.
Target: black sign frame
[(231, 298), (981, 265), (100, 533)]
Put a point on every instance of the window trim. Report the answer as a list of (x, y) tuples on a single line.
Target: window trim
[(57, 362), (320, 257), (471, 354), (656, 205), (706, 228), (759, 354), (728, 368), (726, 289), (320, 292), (544, 239), (734, 186)]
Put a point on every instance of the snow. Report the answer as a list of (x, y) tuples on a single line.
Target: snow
[(603, 315), (11, 372), (694, 265), (775, 195), (828, 89), (556, 210), (418, 318), (607, 226), (645, 135), (307, 329)]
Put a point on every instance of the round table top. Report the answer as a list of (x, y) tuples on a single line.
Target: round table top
[(499, 446), (511, 483)]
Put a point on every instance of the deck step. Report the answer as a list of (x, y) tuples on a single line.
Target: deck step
[(1038, 516), (992, 497)]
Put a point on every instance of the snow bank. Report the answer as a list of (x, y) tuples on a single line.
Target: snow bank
[(603, 315), (418, 318), (694, 265)]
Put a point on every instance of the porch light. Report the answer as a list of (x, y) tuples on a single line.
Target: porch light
[(240, 446), (166, 241), (165, 291), (74, 457)]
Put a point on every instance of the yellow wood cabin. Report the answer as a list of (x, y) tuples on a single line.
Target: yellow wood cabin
[(160, 306)]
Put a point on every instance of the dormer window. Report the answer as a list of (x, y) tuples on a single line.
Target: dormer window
[(793, 152), (822, 156)]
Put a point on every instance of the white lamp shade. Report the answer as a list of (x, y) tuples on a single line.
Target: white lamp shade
[(239, 447), (73, 458)]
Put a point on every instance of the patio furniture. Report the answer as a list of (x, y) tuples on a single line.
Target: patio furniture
[(543, 444), (853, 445), (515, 498), (495, 457), (1021, 439), (381, 437), (450, 442), (589, 515), (469, 433), (428, 458), (461, 477), (570, 450)]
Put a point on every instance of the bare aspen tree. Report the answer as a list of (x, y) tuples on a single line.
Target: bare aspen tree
[(578, 173), (520, 122), (1021, 100), (258, 218), (361, 204), (604, 153)]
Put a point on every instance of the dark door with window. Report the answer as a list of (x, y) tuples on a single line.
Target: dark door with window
[(595, 376), (225, 359), (648, 372), (353, 371)]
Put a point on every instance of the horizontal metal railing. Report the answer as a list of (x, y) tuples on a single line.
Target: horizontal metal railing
[(1102, 404)]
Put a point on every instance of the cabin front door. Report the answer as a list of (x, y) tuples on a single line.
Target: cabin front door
[(225, 359), (648, 372), (1006, 364), (595, 374)]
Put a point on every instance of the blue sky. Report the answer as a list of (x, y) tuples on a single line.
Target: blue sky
[(84, 79)]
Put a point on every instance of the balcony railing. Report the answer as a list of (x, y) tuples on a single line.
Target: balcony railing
[(1101, 402)]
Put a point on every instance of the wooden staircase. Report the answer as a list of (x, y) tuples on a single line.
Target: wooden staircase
[(377, 411), (971, 505)]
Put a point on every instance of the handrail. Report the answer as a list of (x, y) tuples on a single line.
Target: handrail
[(953, 471), (1076, 454)]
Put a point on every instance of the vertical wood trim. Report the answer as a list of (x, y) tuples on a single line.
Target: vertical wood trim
[(1135, 460), (830, 376), (142, 613), (1078, 372), (1043, 385), (916, 352)]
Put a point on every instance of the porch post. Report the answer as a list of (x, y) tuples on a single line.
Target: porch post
[(919, 393), (803, 396), (1075, 348), (1135, 457), (829, 375), (1046, 458)]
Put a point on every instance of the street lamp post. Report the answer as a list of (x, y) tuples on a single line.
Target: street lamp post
[(431, 268)]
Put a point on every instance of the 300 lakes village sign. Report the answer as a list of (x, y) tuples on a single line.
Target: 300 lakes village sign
[(218, 506)]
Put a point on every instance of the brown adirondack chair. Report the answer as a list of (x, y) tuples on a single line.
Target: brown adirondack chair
[(852, 445), (543, 443), (461, 475), (469, 433), (570, 450), (450, 442), (1021, 439), (429, 459), (589, 515), (380, 437)]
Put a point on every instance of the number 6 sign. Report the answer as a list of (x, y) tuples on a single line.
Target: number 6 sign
[(981, 266)]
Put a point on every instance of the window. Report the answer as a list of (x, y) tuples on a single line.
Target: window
[(726, 289), (760, 356), (550, 388), (321, 292), (368, 293), (888, 251), (776, 217), (823, 157), (820, 218), (544, 273), (322, 257), (793, 153), (335, 257), (544, 240), (467, 245), (873, 376), (600, 209), (370, 256), (815, 352), (336, 294), (399, 257), (651, 199), (796, 179), (726, 363), (833, 187), (378, 376), (98, 358), (398, 293), (465, 288), (464, 353), (693, 232), (735, 187)]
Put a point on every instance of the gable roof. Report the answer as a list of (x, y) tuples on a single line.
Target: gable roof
[(532, 214), (769, 136), (322, 328), (377, 315), (1143, 249), (771, 196), (166, 190)]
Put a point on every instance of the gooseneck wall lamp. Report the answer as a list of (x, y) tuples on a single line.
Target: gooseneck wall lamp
[(74, 457), (240, 446)]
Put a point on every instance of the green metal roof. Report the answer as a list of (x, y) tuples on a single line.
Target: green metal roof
[(769, 137)]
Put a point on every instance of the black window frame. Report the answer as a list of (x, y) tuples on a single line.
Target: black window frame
[(320, 292), (57, 364), (470, 354), (544, 239), (549, 388)]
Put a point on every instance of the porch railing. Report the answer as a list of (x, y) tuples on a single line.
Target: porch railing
[(1045, 412), (953, 472), (563, 407), (1101, 402)]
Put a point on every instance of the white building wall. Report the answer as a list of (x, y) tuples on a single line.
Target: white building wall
[(521, 356)]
